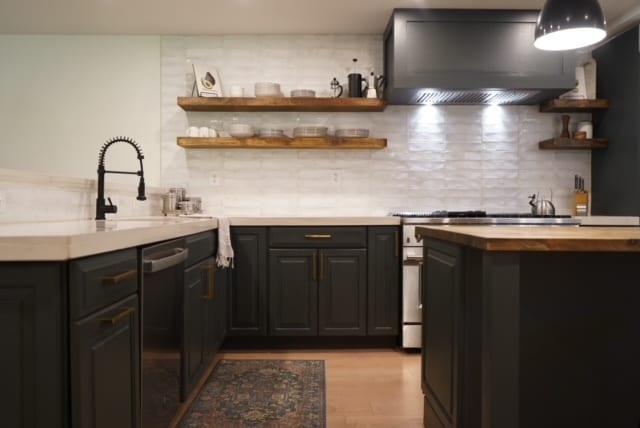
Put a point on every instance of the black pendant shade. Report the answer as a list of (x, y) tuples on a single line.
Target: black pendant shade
[(569, 24)]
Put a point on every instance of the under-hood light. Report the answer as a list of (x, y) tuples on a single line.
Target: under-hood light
[(569, 24), (486, 96)]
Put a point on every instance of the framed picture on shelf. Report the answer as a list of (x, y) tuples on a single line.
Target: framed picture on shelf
[(207, 82)]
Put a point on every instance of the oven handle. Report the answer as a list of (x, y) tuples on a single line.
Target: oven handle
[(175, 256), (420, 263)]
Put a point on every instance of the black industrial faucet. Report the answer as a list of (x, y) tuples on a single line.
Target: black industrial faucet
[(101, 207)]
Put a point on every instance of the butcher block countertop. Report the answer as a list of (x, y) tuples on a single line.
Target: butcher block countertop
[(63, 240), (538, 238)]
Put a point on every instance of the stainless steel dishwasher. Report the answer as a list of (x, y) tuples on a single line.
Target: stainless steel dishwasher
[(161, 295)]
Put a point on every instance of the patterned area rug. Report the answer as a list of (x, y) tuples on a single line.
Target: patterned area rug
[(261, 393)]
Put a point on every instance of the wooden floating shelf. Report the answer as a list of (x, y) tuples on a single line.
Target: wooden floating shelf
[(281, 143), (242, 104), (573, 144), (565, 106)]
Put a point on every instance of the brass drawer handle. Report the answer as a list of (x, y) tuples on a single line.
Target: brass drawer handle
[(118, 318), (211, 270), (327, 236), (113, 280)]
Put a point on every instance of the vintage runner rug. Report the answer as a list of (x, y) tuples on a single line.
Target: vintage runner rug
[(261, 393)]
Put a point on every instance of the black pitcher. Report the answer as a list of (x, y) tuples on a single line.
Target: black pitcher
[(356, 89)]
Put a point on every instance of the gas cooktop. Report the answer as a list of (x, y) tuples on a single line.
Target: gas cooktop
[(482, 217)]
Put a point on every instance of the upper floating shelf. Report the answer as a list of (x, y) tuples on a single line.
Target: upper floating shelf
[(282, 104), (566, 106)]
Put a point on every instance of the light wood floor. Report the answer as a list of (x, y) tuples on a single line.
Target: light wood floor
[(365, 388)]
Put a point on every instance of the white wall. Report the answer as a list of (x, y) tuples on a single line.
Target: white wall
[(438, 157), (62, 97)]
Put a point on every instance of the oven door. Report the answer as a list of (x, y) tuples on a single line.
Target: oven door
[(412, 297)]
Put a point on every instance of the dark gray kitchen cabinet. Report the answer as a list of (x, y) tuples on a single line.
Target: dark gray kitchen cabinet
[(105, 364), (247, 292), (202, 333), (317, 283), (34, 343), (441, 338), (317, 292), (105, 340), (293, 292), (615, 172), (383, 287)]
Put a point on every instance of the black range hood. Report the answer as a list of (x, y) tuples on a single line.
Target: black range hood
[(471, 56)]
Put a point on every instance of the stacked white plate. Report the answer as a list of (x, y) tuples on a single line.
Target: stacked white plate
[(267, 89), (310, 131), (240, 130), (271, 133), (303, 93), (352, 133)]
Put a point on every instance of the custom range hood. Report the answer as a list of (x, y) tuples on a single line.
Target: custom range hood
[(471, 56)]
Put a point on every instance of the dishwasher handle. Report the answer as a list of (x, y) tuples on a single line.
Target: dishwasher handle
[(164, 260)]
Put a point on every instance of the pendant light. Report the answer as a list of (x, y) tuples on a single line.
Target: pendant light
[(569, 24)]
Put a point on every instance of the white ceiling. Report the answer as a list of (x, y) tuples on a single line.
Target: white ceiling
[(205, 17)]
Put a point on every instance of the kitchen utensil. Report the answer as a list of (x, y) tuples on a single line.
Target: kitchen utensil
[(336, 88), (356, 90), (169, 201), (565, 126), (542, 207), (181, 193)]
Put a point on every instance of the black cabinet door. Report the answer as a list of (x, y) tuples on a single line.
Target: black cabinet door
[(442, 314), (105, 367), (32, 336), (383, 295), (247, 315), (342, 287), (293, 292), (219, 317)]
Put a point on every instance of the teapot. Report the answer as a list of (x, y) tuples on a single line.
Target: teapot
[(542, 207)]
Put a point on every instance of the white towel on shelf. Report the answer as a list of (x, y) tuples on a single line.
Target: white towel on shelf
[(225, 250)]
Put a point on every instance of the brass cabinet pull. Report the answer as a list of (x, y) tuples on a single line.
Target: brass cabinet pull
[(118, 318), (396, 243), (313, 267), (321, 267), (113, 280), (327, 236), (211, 270)]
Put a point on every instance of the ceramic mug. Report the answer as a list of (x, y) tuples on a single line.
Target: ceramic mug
[(203, 131), (193, 131)]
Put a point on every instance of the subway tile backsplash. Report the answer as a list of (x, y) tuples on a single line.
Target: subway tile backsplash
[(438, 157)]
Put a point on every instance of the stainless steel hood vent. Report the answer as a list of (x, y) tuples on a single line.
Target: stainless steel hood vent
[(471, 56), (474, 97)]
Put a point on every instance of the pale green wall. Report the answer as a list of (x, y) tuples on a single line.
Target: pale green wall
[(62, 97)]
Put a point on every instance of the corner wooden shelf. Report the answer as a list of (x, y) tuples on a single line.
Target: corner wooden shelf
[(263, 104), (281, 143), (573, 144), (566, 106)]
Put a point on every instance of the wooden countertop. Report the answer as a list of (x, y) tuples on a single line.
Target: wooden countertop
[(538, 238)]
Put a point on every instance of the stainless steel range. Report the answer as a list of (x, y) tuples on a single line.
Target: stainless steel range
[(412, 265)]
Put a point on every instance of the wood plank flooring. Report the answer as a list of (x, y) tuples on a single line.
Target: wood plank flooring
[(365, 388)]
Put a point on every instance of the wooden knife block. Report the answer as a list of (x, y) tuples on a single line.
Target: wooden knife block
[(581, 203)]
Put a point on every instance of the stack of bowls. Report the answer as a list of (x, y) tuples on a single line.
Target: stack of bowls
[(271, 133), (267, 89), (352, 133), (310, 131), (303, 93), (240, 130)]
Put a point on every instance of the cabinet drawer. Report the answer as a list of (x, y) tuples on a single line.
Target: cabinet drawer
[(201, 246), (97, 281), (318, 237)]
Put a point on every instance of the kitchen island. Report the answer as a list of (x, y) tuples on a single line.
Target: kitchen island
[(531, 326)]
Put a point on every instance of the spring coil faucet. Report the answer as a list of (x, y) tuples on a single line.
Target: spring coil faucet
[(101, 207)]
